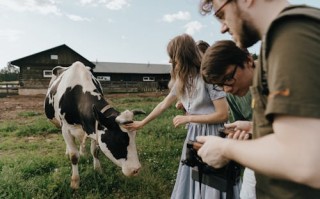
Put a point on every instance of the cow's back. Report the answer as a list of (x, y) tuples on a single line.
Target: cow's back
[(71, 96)]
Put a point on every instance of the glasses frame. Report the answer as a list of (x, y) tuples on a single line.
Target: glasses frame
[(221, 7), (229, 77)]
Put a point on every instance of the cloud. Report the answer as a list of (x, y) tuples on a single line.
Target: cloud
[(10, 35), (77, 18), (109, 4), (40, 6), (177, 16), (84, 2), (89, 2), (193, 27), (117, 4)]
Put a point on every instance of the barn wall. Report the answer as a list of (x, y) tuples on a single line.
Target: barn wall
[(32, 77), (133, 77), (129, 86)]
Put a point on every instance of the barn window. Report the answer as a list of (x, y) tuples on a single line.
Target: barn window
[(148, 79), (47, 73), (54, 56), (103, 78)]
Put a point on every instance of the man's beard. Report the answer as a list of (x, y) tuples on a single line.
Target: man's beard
[(249, 35)]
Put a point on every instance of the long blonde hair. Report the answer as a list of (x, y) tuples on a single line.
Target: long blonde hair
[(186, 61)]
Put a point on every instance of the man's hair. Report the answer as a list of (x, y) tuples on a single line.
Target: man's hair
[(218, 57)]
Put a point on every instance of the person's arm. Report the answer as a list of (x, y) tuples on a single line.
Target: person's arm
[(219, 116), (160, 108), (291, 153)]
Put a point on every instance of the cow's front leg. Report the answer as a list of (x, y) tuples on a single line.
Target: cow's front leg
[(83, 144), (73, 156), (94, 148)]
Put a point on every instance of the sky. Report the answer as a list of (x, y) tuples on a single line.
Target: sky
[(130, 31)]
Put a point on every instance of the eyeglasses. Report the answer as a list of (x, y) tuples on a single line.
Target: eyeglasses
[(228, 80), (221, 7)]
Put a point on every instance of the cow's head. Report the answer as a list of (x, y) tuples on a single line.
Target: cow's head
[(116, 142)]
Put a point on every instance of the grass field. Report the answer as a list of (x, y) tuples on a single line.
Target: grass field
[(33, 162)]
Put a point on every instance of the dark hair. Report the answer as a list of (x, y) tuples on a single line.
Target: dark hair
[(219, 56), (203, 46)]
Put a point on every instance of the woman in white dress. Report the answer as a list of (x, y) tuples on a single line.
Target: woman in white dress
[(206, 111)]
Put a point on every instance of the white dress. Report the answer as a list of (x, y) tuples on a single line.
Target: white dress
[(198, 103)]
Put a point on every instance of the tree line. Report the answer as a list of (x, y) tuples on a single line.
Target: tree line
[(9, 73)]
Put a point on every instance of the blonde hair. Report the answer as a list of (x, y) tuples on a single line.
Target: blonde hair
[(186, 61)]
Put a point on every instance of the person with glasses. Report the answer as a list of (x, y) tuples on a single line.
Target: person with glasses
[(226, 65), (206, 108), (285, 96)]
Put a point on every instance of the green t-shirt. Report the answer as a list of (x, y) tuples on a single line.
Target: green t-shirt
[(240, 107), (292, 60)]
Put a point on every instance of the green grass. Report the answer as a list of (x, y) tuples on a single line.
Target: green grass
[(33, 162)]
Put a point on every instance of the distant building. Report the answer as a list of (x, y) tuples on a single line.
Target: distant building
[(132, 77), (35, 72)]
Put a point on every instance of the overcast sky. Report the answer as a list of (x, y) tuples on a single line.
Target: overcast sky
[(133, 31)]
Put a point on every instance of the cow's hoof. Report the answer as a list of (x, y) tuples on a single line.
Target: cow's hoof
[(75, 182), (97, 167)]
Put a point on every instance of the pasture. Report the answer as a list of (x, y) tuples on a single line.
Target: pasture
[(33, 163)]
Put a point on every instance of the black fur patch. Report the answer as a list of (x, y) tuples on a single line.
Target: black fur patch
[(77, 107)]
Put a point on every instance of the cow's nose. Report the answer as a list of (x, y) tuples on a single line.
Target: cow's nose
[(135, 171)]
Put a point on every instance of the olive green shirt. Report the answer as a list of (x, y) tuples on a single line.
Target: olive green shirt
[(291, 60)]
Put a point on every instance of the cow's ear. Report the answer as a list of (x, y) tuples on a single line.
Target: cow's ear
[(138, 111), (99, 116)]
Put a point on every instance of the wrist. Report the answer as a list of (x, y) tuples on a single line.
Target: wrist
[(189, 118), (226, 144)]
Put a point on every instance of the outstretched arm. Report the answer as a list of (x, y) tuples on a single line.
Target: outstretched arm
[(160, 108), (291, 153)]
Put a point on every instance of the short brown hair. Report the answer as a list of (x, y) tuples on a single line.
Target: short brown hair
[(218, 57)]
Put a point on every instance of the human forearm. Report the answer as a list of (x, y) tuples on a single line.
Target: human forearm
[(160, 108), (220, 114), (217, 117), (289, 153)]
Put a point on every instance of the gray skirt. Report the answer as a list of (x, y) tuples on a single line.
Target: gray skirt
[(185, 187)]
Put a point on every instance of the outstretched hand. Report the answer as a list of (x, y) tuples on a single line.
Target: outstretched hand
[(134, 125)]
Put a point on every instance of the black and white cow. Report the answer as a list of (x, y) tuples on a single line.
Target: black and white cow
[(75, 102)]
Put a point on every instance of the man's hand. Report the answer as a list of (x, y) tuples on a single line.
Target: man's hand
[(211, 151), (239, 130)]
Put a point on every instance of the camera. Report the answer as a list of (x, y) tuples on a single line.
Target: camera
[(221, 179)]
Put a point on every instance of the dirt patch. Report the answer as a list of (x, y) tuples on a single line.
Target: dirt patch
[(11, 106)]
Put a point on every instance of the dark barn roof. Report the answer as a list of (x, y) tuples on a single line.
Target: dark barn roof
[(131, 68), (64, 56)]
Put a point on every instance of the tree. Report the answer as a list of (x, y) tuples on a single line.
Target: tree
[(9, 73)]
